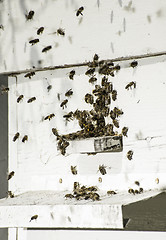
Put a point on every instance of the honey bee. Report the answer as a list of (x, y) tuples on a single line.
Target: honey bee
[(30, 74), (34, 41), (74, 170), (89, 98), (40, 30), (10, 194), (16, 136), (130, 154), (134, 64), (4, 89), (112, 115), (136, 191), (124, 131), (110, 192), (157, 180), (31, 99), (63, 104), (141, 190), (69, 195), (71, 74), (30, 15), (46, 49), (129, 85), (76, 185), (117, 67), (92, 79), (68, 116), (117, 111), (34, 217), (49, 88), (25, 138), (55, 132), (61, 31), (131, 191), (95, 58), (90, 71), (79, 11), (49, 117), (116, 123), (20, 98), (102, 169), (137, 183), (69, 93), (10, 175), (95, 196), (114, 95)]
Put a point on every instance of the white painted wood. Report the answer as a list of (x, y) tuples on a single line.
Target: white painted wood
[(106, 27), (21, 234), (12, 233)]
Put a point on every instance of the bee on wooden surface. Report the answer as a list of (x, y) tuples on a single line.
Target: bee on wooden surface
[(31, 99), (136, 191), (68, 116), (16, 136), (4, 89), (95, 58), (91, 153), (102, 169), (30, 74), (79, 11), (46, 49), (76, 185), (114, 95), (116, 123), (129, 85), (131, 191), (49, 117), (34, 217), (129, 154), (74, 170), (34, 41), (69, 195), (112, 115), (117, 111), (95, 196), (63, 104), (71, 74), (110, 192), (141, 190), (40, 30), (25, 138), (137, 183), (20, 98), (49, 88), (133, 64), (89, 98), (30, 15), (124, 131), (61, 31), (10, 175), (69, 93), (55, 132), (117, 67), (10, 194), (90, 71), (92, 79)]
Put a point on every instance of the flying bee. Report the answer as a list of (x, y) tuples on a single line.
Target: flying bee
[(131, 191), (63, 104), (71, 74), (10, 194), (133, 64), (114, 95), (10, 175), (20, 98), (90, 71), (69, 195), (4, 89), (129, 154), (25, 138), (74, 170), (92, 79), (69, 93), (89, 98), (31, 99), (30, 15), (34, 217), (55, 132), (49, 117), (34, 41), (61, 31), (16, 136), (124, 131), (49, 88), (137, 183), (102, 169), (40, 30), (116, 123), (79, 11), (129, 85), (110, 192), (46, 49), (30, 74)]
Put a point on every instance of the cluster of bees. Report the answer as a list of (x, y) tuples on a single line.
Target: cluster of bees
[(136, 191)]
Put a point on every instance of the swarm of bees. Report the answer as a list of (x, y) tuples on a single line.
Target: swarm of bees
[(84, 193)]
